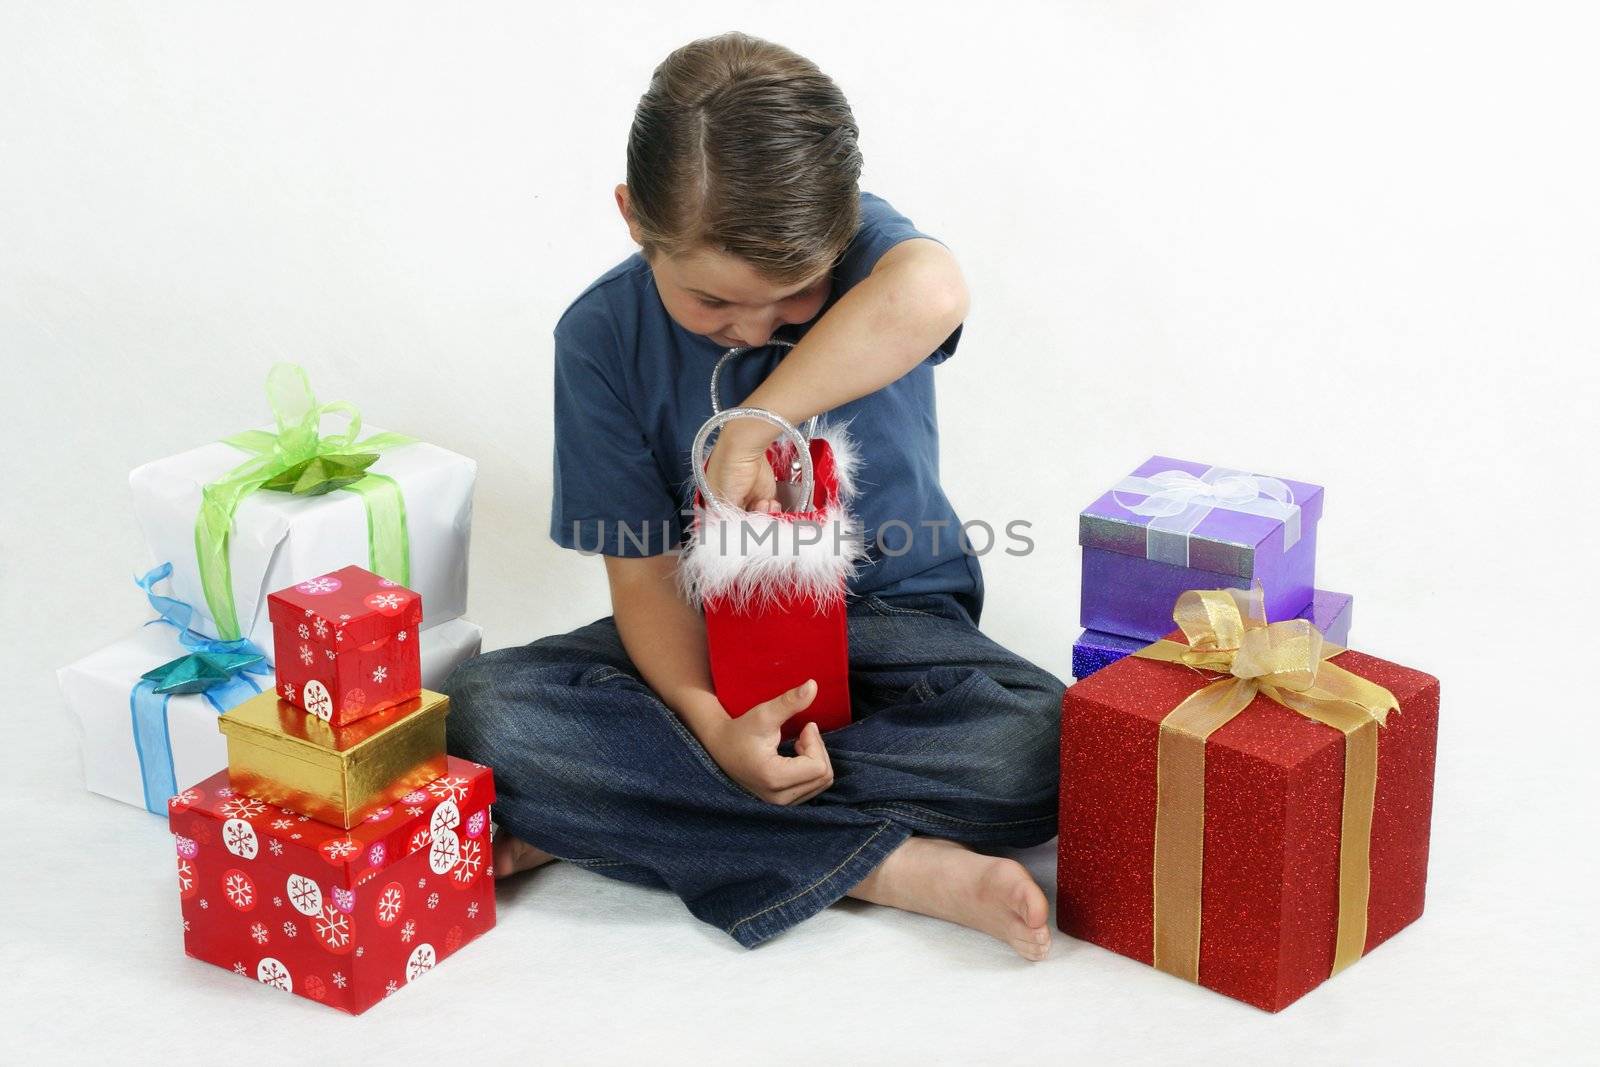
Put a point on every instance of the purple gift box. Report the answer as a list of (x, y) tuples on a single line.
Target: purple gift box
[(1329, 612), (1174, 525)]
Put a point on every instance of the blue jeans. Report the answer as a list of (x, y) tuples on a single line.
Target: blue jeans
[(953, 737)]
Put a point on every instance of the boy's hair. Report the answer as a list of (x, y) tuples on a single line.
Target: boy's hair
[(743, 146)]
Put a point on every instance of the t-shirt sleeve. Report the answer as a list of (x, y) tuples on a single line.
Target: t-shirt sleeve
[(610, 496), (882, 227)]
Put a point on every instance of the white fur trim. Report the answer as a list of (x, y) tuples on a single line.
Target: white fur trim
[(750, 558)]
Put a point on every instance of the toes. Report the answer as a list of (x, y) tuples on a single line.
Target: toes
[(1030, 949)]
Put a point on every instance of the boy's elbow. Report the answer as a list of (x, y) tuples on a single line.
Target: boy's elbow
[(942, 290)]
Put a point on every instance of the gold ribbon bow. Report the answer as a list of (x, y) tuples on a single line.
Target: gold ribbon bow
[(1286, 662)]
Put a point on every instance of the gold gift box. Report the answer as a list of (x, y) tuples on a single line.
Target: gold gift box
[(335, 774)]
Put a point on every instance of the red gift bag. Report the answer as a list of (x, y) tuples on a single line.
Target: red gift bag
[(773, 586)]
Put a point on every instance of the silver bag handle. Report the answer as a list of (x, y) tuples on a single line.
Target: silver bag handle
[(697, 458), (733, 353)]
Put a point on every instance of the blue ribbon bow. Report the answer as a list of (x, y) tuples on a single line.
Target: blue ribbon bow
[(218, 670)]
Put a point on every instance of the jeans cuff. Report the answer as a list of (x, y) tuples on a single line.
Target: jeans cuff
[(774, 919)]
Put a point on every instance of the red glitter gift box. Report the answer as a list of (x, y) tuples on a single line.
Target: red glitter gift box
[(344, 917), (346, 644), (1268, 870)]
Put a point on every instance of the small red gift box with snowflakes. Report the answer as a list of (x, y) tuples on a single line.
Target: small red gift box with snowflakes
[(344, 917), (346, 644)]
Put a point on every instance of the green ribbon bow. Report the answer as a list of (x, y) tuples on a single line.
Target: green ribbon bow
[(300, 459)]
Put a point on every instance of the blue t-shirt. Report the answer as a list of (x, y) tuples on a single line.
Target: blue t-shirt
[(632, 387)]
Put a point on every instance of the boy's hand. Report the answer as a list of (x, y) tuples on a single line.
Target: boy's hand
[(747, 748), (738, 469)]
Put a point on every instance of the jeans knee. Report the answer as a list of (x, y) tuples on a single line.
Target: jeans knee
[(1028, 743)]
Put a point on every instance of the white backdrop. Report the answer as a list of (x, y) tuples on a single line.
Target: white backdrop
[(1355, 245)]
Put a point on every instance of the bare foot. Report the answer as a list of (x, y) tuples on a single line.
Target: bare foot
[(940, 878), (512, 854)]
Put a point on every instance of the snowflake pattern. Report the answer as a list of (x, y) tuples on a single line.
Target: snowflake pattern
[(445, 817), (273, 973), (466, 868), (277, 902), (413, 811), (390, 901), (472, 910), (275, 846), (340, 980), (304, 894), (420, 962), (422, 883), (408, 931), (433, 901), (333, 928), (416, 796), (361, 950), (282, 824), (444, 851), (329, 653), (304, 631), (379, 673), (401, 636), (288, 691), (185, 876), (385, 601), (184, 800), (451, 785), (475, 823), (239, 838), (338, 635), (238, 967), (290, 929), (380, 815), (344, 899), (242, 808), (240, 891), (204, 903), (319, 586), (224, 792), (391, 988), (321, 626), (307, 656), (186, 926), (377, 854), (258, 933), (339, 849)]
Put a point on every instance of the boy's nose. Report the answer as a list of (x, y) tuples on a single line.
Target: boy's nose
[(754, 334)]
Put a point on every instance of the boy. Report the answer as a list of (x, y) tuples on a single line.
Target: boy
[(609, 746)]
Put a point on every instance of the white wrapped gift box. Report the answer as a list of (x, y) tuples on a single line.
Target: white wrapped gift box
[(279, 539), (97, 690)]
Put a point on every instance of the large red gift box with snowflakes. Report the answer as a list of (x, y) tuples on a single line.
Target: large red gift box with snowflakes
[(344, 917), (346, 644), (1273, 788)]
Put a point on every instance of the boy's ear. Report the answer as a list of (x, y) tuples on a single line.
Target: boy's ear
[(625, 206)]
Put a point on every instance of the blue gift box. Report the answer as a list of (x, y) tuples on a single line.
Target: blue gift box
[(1329, 612)]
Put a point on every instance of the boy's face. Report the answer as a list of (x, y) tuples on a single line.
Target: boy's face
[(723, 297)]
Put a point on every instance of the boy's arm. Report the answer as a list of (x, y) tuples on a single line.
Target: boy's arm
[(883, 327), (665, 637)]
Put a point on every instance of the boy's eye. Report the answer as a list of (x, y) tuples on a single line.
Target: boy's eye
[(708, 302)]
